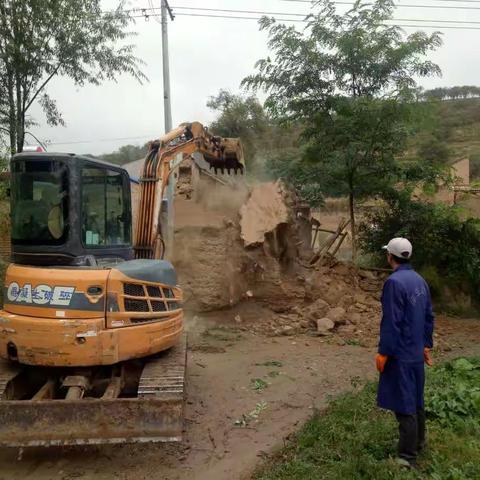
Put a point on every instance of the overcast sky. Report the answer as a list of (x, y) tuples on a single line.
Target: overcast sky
[(207, 54)]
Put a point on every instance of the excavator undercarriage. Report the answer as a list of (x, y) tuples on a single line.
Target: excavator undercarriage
[(135, 401)]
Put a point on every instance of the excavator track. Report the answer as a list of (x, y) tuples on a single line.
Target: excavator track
[(8, 371), (164, 377), (155, 414)]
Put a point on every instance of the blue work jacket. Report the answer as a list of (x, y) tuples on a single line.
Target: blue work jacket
[(406, 329), (407, 322)]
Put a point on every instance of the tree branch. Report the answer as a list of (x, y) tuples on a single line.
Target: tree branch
[(42, 86)]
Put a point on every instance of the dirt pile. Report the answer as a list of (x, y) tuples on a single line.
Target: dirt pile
[(338, 302)]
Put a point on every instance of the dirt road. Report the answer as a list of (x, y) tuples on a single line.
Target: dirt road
[(246, 393)]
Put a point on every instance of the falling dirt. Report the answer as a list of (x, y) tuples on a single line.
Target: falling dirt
[(214, 267), (207, 251), (263, 213)]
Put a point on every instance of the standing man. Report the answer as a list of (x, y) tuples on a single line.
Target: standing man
[(406, 338)]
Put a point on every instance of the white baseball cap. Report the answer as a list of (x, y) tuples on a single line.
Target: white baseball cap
[(400, 247)]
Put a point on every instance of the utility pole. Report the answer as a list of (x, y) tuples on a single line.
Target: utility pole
[(169, 214), (166, 11)]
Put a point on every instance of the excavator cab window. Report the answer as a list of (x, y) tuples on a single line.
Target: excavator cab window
[(39, 195), (106, 219)]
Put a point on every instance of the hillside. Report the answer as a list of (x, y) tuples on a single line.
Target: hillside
[(452, 133)]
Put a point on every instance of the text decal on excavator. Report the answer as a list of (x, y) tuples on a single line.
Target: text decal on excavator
[(40, 295)]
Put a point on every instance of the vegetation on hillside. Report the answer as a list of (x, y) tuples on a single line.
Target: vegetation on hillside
[(353, 439), (125, 154), (451, 93)]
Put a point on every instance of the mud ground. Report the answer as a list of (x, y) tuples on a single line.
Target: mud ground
[(246, 393)]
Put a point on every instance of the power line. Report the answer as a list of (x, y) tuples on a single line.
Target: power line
[(452, 7), (235, 17), (241, 11), (306, 14), (433, 21), (150, 2), (77, 142)]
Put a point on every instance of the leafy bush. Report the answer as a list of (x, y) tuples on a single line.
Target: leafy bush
[(453, 400), (445, 246)]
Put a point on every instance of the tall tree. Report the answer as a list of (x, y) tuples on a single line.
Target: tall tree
[(42, 39), (244, 116), (350, 80), (239, 116)]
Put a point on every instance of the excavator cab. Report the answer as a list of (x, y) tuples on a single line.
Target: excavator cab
[(69, 210)]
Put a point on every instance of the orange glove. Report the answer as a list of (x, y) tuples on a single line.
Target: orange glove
[(381, 360), (427, 355)]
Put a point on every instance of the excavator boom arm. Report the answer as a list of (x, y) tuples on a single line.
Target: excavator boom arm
[(220, 153)]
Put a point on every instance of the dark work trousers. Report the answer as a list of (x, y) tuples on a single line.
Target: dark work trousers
[(412, 435)]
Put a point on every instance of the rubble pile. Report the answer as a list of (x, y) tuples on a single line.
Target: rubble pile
[(340, 302)]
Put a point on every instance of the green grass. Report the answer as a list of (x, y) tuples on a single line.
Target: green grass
[(354, 440)]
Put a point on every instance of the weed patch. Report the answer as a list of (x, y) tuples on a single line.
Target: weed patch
[(258, 384)]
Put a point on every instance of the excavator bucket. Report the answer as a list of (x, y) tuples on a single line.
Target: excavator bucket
[(152, 413), (223, 155), (233, 155)]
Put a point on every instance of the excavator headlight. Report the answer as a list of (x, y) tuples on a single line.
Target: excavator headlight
[(112, 303)]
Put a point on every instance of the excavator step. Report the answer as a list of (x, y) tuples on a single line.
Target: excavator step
[(154, 415)]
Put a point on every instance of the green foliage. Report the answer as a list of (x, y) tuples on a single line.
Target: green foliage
[(40, 40), (258, 384), (349, 79), (455, 400), (244, 117), (353, 54), (289, 165), (433, 150), (353, 439), (125, 154), (445, 245)]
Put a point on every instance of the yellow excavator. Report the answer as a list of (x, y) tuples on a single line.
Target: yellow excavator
[(91, 332)]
